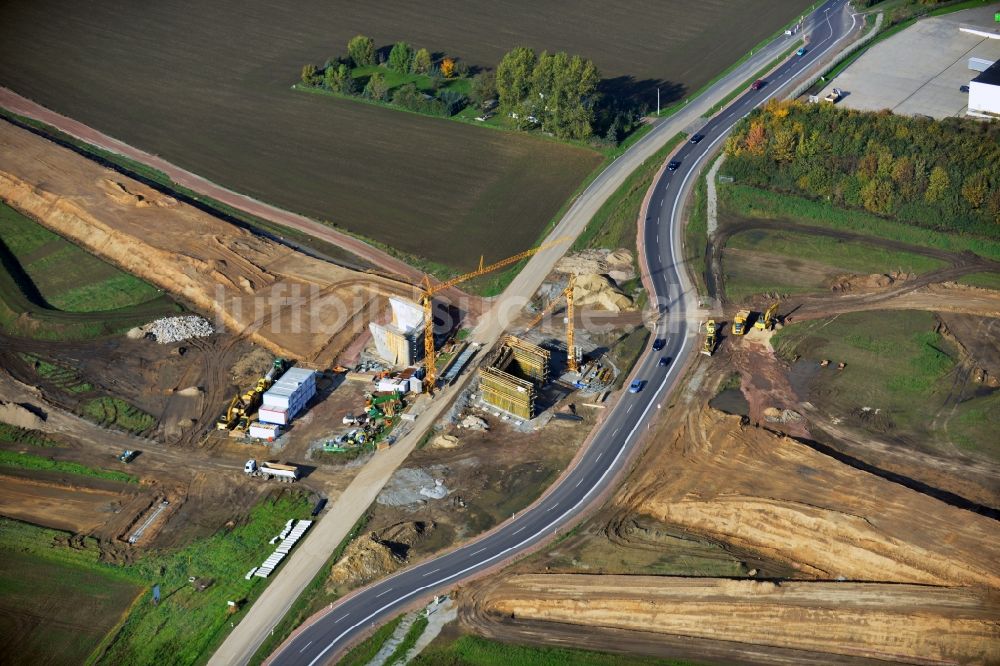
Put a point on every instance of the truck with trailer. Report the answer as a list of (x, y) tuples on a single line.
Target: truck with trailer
[(271, 470)]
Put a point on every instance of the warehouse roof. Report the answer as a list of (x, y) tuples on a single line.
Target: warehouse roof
[(991, 76)]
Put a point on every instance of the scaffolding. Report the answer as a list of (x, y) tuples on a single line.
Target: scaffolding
[(511, 375)]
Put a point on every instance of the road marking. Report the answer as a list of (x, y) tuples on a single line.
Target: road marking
[(305, 646), (341, 618), (552, 507), (599, 456), (616, 431), (431, 572), (630, 408), (520, 529), (577, 486), (478, 551), (383, 593)]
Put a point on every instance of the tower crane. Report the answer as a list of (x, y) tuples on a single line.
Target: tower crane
[(429, 290), (566, 293)]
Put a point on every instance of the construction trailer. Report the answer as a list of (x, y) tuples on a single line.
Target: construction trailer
[(511, 376), (288, 396)]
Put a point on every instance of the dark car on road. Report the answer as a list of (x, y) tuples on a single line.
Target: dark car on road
[(672, 166), (658, 344), (757, 85), (697, 137), (801, 52), (636, 386), (664, 361)]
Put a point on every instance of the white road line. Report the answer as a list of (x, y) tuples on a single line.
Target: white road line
[(599, 456), (341, 618), (630, 408), (552, 507), (520, 529), (577, 486), (381, 594), (431, 572), (305, 646), (478, 551)]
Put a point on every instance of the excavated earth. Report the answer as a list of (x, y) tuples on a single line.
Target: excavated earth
[(293, 304)]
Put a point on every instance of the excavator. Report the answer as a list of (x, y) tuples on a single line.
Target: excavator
[(765, 322), (236, 416), (740, 322), (232, 414), (709, 347)]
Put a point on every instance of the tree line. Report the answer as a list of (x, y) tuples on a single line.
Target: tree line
[(557, 93), (936, 174)]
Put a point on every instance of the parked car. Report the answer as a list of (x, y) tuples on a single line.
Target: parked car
[(672, 166), (801, 52), (658, 344), (636, 386), (757, 85), (964, 89), (664, 361), (128, 455), (697, 137)]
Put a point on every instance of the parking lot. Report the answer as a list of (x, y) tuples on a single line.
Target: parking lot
[(920, 70)]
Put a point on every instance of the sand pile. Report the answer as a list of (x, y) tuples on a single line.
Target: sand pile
[(365, 559), (598, 292), (17, 415), (877, 621)]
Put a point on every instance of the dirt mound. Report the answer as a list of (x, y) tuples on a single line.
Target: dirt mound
[(18, 415), (877, 621), (378, 554), (445, 442), (618, 264), (597, 291), (283, 299), (874, 282), (756, 490)]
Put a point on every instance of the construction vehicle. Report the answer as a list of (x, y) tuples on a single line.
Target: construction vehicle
[(127, 456), (270, 470), (229, 417), (740, 322), (246, 404), (427, 301), (383, 406), (709, 347), (765, 322), (571, 361)]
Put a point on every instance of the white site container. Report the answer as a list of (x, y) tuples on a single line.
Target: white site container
[(292, 390), (391, 385), (266, 431), (275, 416)]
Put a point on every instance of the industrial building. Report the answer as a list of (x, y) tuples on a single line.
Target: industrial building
[(984, 93), (511, 376), (288, 396), (400, 342)]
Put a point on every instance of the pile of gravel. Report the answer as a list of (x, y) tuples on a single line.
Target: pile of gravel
[(175, 329)]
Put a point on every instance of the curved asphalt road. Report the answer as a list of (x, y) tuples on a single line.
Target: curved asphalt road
[(609, 449)]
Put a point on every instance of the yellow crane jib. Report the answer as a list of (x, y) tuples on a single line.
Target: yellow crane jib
[(427, 301)]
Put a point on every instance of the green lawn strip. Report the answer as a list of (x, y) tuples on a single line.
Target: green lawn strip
[(752, 202), (186, 623), (27, 461), (65, 377), (627, 353), (696, 231), (745, 280), (413, 634), (67, 276), (12, 434), (850, 256), (365, 651), (115, 412), (614, 225), (742, 88), (475, 651), (982, 280), (312, 598), (897, 363)]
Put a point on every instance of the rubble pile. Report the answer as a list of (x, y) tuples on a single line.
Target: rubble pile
[(175, 329)]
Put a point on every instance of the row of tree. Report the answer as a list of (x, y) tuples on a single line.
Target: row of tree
[(938, 174)]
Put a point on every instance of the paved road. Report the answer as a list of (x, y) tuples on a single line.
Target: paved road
[(609, 450)]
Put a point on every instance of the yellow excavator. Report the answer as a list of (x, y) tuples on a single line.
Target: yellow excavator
[(765, 322), (232, 414), (740, 322), (709, 347)]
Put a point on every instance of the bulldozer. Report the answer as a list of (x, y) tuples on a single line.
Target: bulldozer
[(765, 322), (709, 347), (740, 322)]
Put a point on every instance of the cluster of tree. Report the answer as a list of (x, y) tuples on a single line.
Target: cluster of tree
[(554, 90), (937, 174)]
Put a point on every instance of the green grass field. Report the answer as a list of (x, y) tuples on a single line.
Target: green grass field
[(116, 413), (17, 460), (67, 277), (898, 364), (10, 434), (56, 604), (982, 280), (363, 653), (476, 651)]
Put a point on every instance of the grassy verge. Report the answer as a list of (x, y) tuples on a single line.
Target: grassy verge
[(476, 651), (310, 600), (982, 280), (364, 652), (413, 634), (116, 413), (626, 353), (751, 202), (855, 257), (16, 460), (66, 378), (186, 623), (742, 88), (696, 230), (11, 434)]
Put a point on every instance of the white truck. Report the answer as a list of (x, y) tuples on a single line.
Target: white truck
[(269, 470)]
